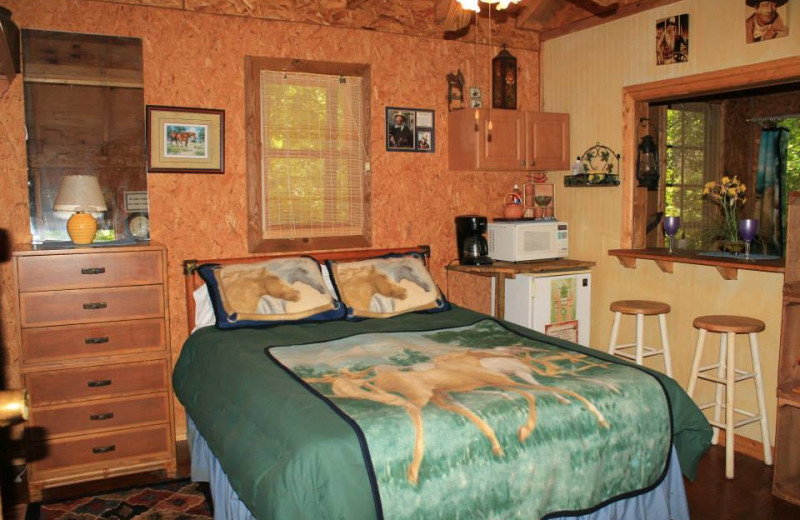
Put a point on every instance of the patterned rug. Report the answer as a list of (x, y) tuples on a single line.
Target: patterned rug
[(174, 500)]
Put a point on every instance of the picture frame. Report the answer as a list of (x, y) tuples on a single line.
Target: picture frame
[(766, 21), (672, 40), (185, 140), (410, 130)]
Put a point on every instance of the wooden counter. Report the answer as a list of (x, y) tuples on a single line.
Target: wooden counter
[(728, 267), (500, 270)]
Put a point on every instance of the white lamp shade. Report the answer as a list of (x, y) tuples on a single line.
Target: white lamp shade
[(79, 193)]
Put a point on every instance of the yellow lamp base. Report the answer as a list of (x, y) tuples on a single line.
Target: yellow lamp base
[(82, 228)]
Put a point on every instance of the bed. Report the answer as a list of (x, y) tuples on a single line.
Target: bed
[(433, 412)]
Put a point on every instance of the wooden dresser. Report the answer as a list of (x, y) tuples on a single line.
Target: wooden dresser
[(96, 362)]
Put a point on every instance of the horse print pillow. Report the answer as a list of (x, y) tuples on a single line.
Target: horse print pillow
[(284, 290), (386, 286)]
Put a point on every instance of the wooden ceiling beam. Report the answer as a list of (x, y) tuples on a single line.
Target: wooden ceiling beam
[(536, 12), (634, 7)]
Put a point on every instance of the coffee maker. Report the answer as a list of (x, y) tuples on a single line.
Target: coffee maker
[(472, 246)]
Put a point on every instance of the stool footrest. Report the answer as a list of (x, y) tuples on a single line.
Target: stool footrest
[(736, 424), (723, 381), (646, 352)]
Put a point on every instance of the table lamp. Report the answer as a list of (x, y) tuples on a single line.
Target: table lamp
[(81, 194)]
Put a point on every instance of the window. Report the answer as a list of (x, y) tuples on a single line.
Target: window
[(308, 168), (692, 159)]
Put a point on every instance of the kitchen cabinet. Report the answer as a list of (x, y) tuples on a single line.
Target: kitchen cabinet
[(786, 481), (517, 140), (96, 362)]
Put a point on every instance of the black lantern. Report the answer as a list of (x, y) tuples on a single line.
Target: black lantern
[(504, 81), (647, 164)]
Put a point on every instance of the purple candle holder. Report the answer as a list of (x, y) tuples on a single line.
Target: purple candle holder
[(671, 226), (748, 228)]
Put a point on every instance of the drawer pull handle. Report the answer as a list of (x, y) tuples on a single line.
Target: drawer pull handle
[(104, 449), (95, 305), (101, 416), (93, 270), (102, 382), (96, 341)]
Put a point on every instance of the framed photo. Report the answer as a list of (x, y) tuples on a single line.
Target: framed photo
[(672, 40), (766, 20), (410, 130), (185, 140)]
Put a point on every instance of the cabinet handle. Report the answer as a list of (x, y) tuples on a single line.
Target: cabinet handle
[(95, 305), (99, 383), (522, 163), (96, 341), (104, 449), (93, 270), (533, 163), (101, 416)]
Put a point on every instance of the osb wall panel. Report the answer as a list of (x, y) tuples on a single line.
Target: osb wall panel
[(197, 60), (419, 18)]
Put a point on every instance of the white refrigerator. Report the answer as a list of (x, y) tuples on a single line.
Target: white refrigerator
[(556, 304)]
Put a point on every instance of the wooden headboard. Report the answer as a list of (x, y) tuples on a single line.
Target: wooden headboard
[(193, 280)]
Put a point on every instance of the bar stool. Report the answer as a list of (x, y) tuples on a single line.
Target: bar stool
[(641, 308), (727, 376)]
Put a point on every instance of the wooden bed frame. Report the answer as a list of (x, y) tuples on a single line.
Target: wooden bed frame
[(193, 280)]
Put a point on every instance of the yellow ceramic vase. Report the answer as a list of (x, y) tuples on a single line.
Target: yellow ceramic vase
[(82, 228)]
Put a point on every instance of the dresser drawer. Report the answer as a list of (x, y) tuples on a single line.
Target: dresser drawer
[(73, 271), (62, 386), (41, 309), (104, 449), (96, 416), (52, 344)]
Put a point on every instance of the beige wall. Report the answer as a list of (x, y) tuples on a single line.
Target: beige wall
[(583, 74), (197, 60)]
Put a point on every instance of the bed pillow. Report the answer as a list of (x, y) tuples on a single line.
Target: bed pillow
[(203, 309), (284, 290), (386, 286)]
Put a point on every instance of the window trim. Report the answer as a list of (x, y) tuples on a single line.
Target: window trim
[(256, 244), (635, 109)]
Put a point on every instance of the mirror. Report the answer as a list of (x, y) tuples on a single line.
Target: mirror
[(84, 113)]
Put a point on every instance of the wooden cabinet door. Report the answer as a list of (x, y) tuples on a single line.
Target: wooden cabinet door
[(502, 147), (547, 141)]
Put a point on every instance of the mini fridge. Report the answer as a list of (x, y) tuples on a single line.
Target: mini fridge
[(558, 305)]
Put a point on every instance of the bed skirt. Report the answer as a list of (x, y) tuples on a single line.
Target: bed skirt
[(665, 502)]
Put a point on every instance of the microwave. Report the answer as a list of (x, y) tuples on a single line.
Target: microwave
[(521, 241)]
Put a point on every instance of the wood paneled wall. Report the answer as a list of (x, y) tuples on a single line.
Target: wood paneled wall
[(197, 60)]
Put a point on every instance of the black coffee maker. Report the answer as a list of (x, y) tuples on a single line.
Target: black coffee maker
[(472, 246)]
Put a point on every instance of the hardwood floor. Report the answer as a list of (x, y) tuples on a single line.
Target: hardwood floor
[(711, 495)]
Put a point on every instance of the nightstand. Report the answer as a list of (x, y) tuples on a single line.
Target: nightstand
[(96, 361)]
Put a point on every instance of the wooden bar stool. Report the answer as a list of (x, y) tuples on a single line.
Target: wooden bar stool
[(727, 375), (641, 308)]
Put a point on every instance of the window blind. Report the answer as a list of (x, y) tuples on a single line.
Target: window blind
[(313, 157)]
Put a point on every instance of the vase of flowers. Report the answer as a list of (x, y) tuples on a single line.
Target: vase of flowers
[(729, 194)]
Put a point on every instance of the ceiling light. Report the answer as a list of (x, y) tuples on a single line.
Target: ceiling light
[(472, 5)]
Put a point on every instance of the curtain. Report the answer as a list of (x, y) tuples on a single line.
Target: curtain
[(770, 196)]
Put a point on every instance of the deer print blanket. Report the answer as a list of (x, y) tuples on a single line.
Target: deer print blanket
[(480, 422), (429, 416)]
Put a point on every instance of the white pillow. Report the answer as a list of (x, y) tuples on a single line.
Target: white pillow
[(203, 310)]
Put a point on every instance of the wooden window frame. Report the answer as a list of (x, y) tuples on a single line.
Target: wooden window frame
[(635, 108), (256, 243)]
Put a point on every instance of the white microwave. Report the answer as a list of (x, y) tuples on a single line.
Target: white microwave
[(521, 241)]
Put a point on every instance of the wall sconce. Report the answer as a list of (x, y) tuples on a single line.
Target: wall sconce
[(81, 194), (647, 164), (504, 80)]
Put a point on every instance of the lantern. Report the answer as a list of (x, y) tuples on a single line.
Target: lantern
[(504, 80), (647, 164)]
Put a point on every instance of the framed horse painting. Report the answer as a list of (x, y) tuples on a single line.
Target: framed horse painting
[(185, 140)]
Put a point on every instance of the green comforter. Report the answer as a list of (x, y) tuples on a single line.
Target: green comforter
[(289, 453)]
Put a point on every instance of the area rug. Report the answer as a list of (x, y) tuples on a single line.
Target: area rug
[(174, 500)]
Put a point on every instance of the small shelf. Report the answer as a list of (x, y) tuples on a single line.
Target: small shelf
[(790, 391), (728, 268)]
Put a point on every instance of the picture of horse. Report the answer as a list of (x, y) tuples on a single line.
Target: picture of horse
[(185, 141)]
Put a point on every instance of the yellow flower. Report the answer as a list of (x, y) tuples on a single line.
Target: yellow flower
[(742, 187), (709, 185), (725, 180), (732, 191)]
